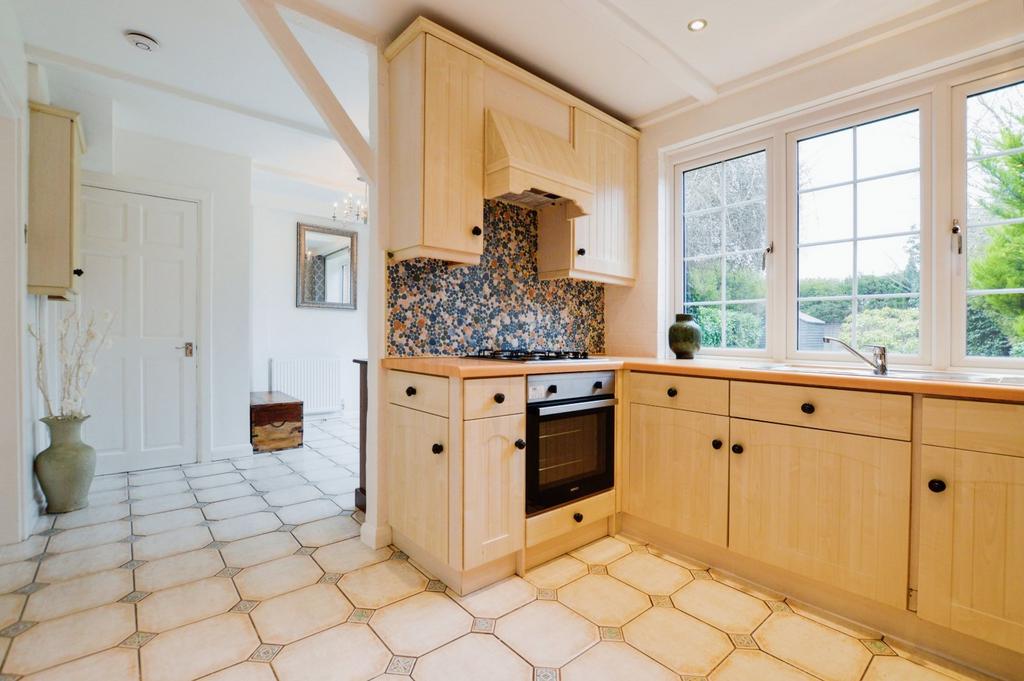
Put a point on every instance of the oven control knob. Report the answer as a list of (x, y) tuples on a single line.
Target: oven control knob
[(598, 385), (672, 392), (578, 517), (552, 389), (520, 443), (437, 448), (499, 397), (410, 391)]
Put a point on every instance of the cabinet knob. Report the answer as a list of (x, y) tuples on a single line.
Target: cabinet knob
[(581, 251), (737, 449), (437, 448), (578, 517), (520, 443), (716, 444), (78, 271), (672, 392), (477, 231), (807, 408), (937, 486), (552, 389), (410, 391), (598, 385), (499, 397)]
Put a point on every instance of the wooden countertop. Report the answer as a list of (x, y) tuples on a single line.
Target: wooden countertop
[(459, 367)]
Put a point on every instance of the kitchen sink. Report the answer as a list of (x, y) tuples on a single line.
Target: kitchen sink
[(905, 374)]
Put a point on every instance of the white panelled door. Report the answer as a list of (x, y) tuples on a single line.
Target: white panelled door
[(139, 254)]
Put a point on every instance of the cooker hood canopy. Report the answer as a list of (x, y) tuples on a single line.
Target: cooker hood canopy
[(532, 167)]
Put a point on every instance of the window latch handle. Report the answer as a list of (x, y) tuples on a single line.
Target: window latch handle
[(958, 234), (764, 255)]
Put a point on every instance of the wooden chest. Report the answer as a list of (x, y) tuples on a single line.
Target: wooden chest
[(275, 421)]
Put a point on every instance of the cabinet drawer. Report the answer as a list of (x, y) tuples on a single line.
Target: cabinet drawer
[(980, 426), (486, 397), (846, 411), (708, 395), (418, 391), (562, 520)]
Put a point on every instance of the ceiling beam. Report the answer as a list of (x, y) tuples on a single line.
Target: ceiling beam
[(331, 17), (620, 27), (319, 93)]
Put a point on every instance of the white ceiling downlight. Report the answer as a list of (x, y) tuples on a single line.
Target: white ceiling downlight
[(697, 25), (144, 42)]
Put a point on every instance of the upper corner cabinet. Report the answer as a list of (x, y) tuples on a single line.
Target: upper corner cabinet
[(436, 152)]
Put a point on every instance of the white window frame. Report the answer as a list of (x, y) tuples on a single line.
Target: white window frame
[(958, 261), (705, 156), (923, 105)]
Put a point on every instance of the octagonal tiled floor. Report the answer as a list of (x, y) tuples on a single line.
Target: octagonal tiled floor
[(252, 570)]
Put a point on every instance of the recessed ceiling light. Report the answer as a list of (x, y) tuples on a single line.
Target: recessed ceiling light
[(144, 42), (697, 25)]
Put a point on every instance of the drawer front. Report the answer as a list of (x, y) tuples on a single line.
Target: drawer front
[(979, 426), (419, 391), (846, 411), (276, 436), (486, 397), (268, 414), (561, 520), (709, 395)]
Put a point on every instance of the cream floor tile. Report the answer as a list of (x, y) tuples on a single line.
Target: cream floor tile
[(186, 653), (13, 576), (105, 483), (743, 585), (546, 633), (472, 658), (730, 610), (608, 661), (10, 610), (327, 531), (158, 490), (649, 573), (381, 584), (604, 600), (348, 652), (77, 563), (244, 463), (264, 581), (298, 614), (185, 604), (64, 598), (888, 668), (340, 485), (556, 573), (841, 624), (174, 570), (164, 522), (227, 492), (349, 555), (259, 549), (116, 664), (688, 563), (155, 476), (221, 480), (13, 553), (421, 623), (206, 469), (169, 502), (498, 599), (813, 647), (244, 526), (279, 483), (330, 471), (87, 537), (680, 642), (48, 644), (5, 643), (264, 472), (246, 671), (300, 455), (171, 543), (292, 495), (747, 665), (114, 496), (92, 515), (308, 511), (346, 502), (602, 552), (232, 508)]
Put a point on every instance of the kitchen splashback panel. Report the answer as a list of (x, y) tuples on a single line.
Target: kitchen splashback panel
[(438, 309)]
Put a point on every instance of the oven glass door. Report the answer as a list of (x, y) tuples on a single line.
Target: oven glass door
[(570, 452)]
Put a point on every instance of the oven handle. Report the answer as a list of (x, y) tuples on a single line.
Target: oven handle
[(575, 406)]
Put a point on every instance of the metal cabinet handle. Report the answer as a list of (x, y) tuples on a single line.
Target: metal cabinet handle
[(937, 486), (437, 448), (477, 231), (578, 517), (520, 443), (499, 397), (807, 408), (410, 391), (716, 444), (737, 449), (672, 392)]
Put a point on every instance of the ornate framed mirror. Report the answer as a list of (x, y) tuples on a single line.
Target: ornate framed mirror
[(325, 271)]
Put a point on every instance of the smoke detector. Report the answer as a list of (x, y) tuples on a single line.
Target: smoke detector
[(144, 42)]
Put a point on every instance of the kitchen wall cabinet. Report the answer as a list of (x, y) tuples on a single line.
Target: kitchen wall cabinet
[(55, 144)]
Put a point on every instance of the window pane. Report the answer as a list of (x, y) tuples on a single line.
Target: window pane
[(702, 188), (995, 189), (745, 178), (826, 159), (994, 121), (826, 270), (889, 145), (820, 318), (702, 280), (709, 318), (746, 227), (890, 265), (702, 234), (826, 214), (892, 322), (744, 278), (994, 325), (889, 205), (745, 326)]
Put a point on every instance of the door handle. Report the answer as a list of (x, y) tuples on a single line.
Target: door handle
[(189, 348)]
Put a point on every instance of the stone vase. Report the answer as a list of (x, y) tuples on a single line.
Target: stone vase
[(65, 469), (684, 336)]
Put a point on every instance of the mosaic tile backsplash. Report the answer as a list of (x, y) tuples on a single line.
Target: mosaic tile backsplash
[(439, 310)]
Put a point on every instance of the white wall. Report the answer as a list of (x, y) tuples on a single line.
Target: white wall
[(279, 328)]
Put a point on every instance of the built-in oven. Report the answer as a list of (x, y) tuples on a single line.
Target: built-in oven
[(570, 435)]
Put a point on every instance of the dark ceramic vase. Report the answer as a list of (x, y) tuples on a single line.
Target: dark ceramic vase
[(684, 336)]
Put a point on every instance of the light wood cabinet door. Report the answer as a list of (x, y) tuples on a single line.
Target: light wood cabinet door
[(607, 237), (676, 477), (972, 544), (494, 475), (830, 506), (419, 478)]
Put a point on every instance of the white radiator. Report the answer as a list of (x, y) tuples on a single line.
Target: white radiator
[(317, 382)]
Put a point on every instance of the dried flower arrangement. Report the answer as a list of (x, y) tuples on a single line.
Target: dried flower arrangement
[(79, 341)]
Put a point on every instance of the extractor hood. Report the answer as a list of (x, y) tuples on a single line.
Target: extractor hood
[(532, 167)]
